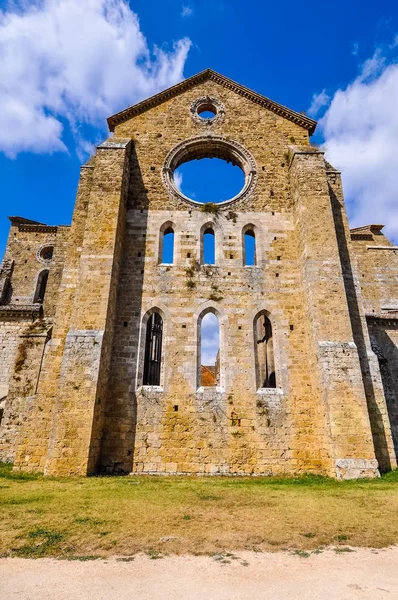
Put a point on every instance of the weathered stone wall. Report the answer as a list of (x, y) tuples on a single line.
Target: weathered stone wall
[(179, 428), (10, 330), (22, 385), (22, 265), (384, 337), (90, 409)]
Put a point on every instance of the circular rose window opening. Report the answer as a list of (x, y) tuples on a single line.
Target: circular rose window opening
[(209, 169), (46, 253), (209, 180)]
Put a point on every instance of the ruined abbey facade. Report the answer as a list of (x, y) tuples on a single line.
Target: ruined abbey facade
[(100, 365)]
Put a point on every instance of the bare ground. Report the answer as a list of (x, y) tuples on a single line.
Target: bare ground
[(364, 573)]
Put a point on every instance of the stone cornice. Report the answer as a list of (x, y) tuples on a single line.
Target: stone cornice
[(20, 310), (210, 75)]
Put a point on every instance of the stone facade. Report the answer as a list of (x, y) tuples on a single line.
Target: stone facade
[(73, 375)]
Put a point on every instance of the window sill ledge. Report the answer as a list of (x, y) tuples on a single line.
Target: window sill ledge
[(270, 391), (209, 388), (150, 388)]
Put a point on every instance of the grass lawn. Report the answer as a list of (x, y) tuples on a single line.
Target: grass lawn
[(102, 516)]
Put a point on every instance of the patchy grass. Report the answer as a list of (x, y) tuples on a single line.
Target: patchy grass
[(87, 518)]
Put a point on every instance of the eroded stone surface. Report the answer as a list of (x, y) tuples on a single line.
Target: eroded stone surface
[(85, 409)]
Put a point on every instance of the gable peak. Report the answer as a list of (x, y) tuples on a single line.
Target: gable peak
[(211, 75)]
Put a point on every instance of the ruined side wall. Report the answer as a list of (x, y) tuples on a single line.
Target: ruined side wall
[(10, 330), (22, 385), (377, 259)]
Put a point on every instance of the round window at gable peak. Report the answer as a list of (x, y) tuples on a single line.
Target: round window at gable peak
[(207, 110)]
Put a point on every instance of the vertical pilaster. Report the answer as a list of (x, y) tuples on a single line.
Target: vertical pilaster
[(78, 413), (337, 378)]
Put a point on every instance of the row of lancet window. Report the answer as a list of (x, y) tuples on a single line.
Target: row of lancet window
[(210, 374), (208, 245)]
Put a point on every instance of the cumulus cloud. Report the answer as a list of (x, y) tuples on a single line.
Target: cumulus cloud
[(74, 62), (360, 129), (318, 101)]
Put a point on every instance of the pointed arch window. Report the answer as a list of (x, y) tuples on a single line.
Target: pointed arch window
[(41, 287), (153, 350), (208, 246), (264, 352), (167, 244), (249, 246)]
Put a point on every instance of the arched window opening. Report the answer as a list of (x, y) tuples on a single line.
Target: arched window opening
[(209, 247), (168, 246), (249, 248), (264, 350), (153, 350), (41, 287), (209, 351)]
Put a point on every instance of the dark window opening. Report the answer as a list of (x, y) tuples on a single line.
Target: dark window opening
[(153, 350), (46, 253), (264, 349), (41, 288)]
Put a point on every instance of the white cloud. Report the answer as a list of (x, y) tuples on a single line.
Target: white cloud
[(178, 179), (318, 101), (75, 62), (355, 49), (187, 11), (210, 341), (360, 129)]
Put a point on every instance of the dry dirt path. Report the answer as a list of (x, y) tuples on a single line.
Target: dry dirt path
[(364, 574)]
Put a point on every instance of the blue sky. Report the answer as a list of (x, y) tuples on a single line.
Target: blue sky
[(66, 65)]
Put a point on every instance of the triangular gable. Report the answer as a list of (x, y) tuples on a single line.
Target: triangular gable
[(210, 75)]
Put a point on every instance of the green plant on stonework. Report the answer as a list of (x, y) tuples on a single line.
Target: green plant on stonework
[(211, 208), (215, 294), (288, 156), (232, 216), (292, 140), (191, 284)]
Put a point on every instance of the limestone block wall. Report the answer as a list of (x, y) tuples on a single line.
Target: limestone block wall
[(181, 427), (91, 410), (10, 330), (384, 338), (22, 385)]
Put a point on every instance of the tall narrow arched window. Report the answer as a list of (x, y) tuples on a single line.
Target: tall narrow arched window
[(264, 351), (209, 246), (41, 287), (249, 248), (209, 349), (153, 350), (167, 246)]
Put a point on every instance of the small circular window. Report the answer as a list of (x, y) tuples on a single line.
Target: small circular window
[(207, 110), (45, 254)]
